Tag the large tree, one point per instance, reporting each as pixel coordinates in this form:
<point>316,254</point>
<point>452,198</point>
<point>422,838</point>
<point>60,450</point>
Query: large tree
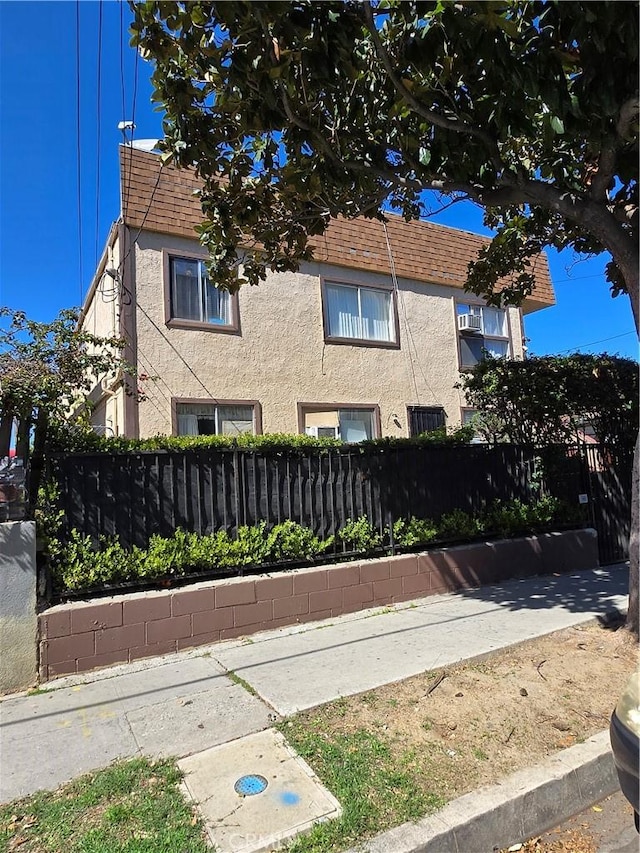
<point>550,399</point>
<point>293,112</point>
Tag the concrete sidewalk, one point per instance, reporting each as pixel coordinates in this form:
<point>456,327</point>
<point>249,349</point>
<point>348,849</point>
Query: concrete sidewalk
<point>192,701</point>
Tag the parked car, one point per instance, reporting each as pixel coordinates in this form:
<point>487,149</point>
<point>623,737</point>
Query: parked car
<point>624,732</point>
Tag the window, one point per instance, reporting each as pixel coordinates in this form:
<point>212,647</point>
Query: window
<point>352,425</point>
<point>193,297</point>
<point>196,418</point>
<point>473,418</point>
<point>468,416</point>
<point>425,419</point>
<point>354,313</point>
<point>485,330</point>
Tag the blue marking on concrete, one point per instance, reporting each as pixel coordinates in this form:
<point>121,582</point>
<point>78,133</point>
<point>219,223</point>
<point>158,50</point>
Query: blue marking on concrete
<point>289,798</point>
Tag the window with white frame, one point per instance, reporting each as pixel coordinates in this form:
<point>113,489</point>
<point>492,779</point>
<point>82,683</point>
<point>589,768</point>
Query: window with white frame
<point>214,419</point>
<point>194,297</point>
<point>350,425</point>
<point>359,313</point>
<point>481,329</point>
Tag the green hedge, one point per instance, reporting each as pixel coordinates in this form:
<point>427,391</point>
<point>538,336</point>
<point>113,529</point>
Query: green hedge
<point>76,439</point>
<point>77,565</point>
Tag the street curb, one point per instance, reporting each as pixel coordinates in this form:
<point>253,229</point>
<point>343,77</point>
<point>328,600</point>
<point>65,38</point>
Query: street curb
<point>522,805</point>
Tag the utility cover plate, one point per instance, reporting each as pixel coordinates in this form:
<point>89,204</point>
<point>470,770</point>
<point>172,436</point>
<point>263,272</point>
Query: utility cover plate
<point>255,793</point>
<point>250,785</point>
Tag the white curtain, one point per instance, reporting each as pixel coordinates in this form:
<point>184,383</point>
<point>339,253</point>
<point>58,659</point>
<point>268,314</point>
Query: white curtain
<point>359,312</point>
<point>494,322</point>
<point>496,348</point>
<point>342,311</point>
<point>185,290</point>
<point>376,319</point>
<point>195,418</point>
<point>187,424</point>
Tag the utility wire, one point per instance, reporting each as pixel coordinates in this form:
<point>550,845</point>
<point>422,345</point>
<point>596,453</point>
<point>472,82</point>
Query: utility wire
<point>593,343</point>
<point>144,218</point>
<point>177,351</point>
<point>579,277</point>
<point>125,200</point>
<point>122,86</point>
<point>78,153</point>
<point>400,299</point>
<point>99,129</point>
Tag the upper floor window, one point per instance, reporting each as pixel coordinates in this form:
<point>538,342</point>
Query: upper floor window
<point>194,297</point>
<point>481,329</point>
<point>364,314</point>
<point>202,418</point>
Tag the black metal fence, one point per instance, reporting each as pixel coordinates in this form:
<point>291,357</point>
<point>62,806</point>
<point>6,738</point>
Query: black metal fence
<point>135,495</point>
<point>609,485</point>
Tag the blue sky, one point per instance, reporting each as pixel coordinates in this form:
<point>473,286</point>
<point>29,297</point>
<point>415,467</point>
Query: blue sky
<point>41,267</point>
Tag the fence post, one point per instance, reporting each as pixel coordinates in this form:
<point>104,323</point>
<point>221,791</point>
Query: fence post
<point>392,541</point>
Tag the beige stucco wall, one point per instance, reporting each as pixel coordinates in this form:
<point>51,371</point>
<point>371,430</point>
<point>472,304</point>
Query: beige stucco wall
<point>101,317</point>
<point>281,359</point>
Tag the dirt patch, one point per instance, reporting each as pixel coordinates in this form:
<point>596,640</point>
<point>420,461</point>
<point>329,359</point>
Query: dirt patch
<point>471,725</point>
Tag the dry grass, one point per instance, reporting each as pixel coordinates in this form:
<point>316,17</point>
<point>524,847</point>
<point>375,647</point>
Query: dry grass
<point>483,721</point>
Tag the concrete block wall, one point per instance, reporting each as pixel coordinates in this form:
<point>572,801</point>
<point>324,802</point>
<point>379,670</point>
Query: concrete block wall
<point>81,636</point>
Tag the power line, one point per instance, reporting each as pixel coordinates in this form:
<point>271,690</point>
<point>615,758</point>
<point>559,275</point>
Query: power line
<point>78,150</point>
<point>177,351</point>
<point>98,132</point>
<point>400,303</point>
<point>593,343</point>
<point>144,218</point>
<point>400,299</point>
<point>125,199</point>
<point>122,87</point>
<point>579,277</point>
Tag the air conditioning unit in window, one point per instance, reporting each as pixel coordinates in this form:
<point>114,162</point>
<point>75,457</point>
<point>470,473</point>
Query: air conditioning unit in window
<point>469,322</point>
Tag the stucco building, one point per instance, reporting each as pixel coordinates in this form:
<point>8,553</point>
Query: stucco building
<point>367,340</point>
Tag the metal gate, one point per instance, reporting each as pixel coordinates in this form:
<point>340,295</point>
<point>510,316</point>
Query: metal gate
<point>608,473</point>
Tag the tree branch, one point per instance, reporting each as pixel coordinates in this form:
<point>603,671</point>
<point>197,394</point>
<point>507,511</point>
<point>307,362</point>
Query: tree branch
<point>606,171</point>
<point>628,111</point>
<point>610,147</point>
<point>350,165</point>
<point>438,120</point>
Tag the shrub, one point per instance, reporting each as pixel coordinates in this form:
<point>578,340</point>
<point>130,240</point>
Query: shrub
<point>414,531</point>
<point>506,518</point>
<point>79,439</point>
<point>359,535</point>
<point>291,541</point>
<point>78,565</point>
<point>459,525</point>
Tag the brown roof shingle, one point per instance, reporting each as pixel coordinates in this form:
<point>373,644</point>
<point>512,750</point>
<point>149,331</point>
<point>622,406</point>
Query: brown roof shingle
<point>163,200</point>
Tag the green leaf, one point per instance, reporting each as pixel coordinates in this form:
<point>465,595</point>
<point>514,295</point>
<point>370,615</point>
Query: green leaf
<point>424,156</point>
<point>557,124</point>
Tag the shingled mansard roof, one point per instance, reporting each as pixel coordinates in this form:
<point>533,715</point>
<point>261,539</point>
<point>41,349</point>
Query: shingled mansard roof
<point>162,200</point>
